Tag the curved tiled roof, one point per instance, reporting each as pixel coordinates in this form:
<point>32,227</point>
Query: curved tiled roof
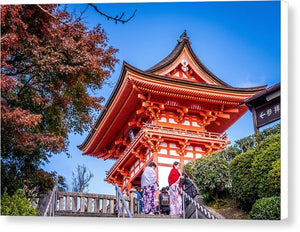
<point>151,76</point>
<point>183,41</point>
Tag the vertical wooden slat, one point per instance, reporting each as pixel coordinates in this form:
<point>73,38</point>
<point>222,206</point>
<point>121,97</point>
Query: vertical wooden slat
<point>127,203</point>
<point>86,202</point>
<point>61,203</point>
<point>89,208</point>
<point>82,204</point>
<point>111,206</point>
<point>96,203</point>
<point>74,204</point>
<point>68,200</point>
<point>104,206</point>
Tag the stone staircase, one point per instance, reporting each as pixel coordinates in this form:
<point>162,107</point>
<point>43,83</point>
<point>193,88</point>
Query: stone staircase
<point>192,211</point>
<point>74,204</point>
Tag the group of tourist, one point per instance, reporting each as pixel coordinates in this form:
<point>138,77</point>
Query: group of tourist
<point>170,199</point>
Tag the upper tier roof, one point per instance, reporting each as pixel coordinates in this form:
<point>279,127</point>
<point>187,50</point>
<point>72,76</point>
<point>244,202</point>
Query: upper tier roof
<point>158,80</point>
<point>182,44</point>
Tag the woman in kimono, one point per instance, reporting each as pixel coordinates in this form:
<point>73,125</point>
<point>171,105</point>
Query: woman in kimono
<point>175,196</point>
<point>149,186</point>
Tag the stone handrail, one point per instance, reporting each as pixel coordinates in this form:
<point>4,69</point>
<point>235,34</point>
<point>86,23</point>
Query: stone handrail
<point>87,203</point>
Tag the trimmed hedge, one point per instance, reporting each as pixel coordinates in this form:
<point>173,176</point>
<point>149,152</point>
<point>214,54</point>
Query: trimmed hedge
<point>267,152</point>
<point>274,179</point>
<point>211,175</point>
<point>17,205</point>
<point>256,173</point>
<point>243,188</point>
<point>266,209</point>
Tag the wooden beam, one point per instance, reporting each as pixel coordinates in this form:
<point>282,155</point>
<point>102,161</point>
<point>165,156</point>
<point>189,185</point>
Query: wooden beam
<point>140,111</point>
<point>222,115</point>
<point>141,96</point>
<point>145,104</point>
<point>231,110</point>
<point>218,123</point>
<point>101,155</point>
<point>107,156</point>
<point>132,123</point>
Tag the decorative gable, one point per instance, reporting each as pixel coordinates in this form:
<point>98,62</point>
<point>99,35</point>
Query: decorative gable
<point>186,70</point>
<point>182,63</point>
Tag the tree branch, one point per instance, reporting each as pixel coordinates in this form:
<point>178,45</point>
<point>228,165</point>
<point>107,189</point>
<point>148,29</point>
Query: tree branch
<point>68,25</point>
<point>117,18</point>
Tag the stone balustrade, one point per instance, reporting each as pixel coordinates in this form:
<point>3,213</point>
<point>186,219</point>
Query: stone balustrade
<point>89,203</point>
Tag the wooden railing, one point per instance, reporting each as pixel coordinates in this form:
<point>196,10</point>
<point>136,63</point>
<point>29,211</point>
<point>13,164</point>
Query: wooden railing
<point>72,203</point>
<point>169,131</point>
<point>50,209</point>
<point>185,132</point>
<point>122,206</point>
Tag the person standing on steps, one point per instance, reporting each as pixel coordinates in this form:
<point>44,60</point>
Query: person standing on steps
<point>164,201</point>
<point>149,186</point>
<point>139,199</point>
<point>189,188</point>
<point>175,196</point>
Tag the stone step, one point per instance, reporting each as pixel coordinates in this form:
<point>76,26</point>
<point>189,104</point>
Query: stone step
<point>86,214</point>
<point>161,216</point>
<point>64,213</point>
<point>190,211</point>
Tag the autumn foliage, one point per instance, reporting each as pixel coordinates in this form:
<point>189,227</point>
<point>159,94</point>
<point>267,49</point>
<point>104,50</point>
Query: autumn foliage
<point>50,62</point>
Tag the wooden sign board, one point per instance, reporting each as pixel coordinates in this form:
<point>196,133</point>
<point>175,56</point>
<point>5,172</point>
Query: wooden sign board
<point>268,113</point>
<point>265,106</point>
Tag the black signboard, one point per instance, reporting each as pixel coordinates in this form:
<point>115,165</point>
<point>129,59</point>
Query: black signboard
<point>265,106</point>
<point>268,113</point>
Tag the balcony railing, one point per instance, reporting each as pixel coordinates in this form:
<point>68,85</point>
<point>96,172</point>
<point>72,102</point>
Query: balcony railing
<point>185,132</point>
<point>169,131</point>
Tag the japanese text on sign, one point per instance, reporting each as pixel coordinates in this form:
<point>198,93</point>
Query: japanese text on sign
<point>268,113</point>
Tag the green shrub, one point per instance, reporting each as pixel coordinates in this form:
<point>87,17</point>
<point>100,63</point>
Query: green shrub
<point>17,205</point>
<point>273,179</point>
<point>256,172</point>
<point>266,209</point>
<point>243,188</point>
<point>189,169</point>
<point>229,153</point>
<point>267,152</point>
<point>211,175</point>
<point>206,198</point>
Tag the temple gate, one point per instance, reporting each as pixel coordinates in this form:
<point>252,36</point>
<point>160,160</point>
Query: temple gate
<point>176,110</point>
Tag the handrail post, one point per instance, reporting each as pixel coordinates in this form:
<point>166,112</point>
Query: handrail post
<point>183,203</point>
<point>51,199</point>
<point>124,205</point>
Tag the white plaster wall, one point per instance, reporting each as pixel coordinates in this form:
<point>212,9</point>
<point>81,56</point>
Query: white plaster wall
<point>163,173</point>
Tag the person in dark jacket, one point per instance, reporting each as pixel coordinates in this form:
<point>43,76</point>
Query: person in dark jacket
<point>189,187</point>
<point>164,201</point>
<point>139,199</point>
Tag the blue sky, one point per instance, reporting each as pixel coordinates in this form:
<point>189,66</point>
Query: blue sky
<point>238,41</point>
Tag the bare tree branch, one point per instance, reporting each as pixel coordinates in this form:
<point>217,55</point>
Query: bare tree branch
<point>68,25</point>
<point>117,18</point>
<point>81,178</point>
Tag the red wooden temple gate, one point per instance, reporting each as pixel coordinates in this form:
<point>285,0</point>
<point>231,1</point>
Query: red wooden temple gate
<point>175,111</point>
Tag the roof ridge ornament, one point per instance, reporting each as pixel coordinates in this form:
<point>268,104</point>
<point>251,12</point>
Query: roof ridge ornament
<point>184,37</point>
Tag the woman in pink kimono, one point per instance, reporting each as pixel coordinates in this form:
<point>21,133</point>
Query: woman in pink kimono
<point>175,196</point>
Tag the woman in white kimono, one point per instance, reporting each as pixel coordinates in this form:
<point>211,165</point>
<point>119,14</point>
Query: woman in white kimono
<point>149,186</point>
